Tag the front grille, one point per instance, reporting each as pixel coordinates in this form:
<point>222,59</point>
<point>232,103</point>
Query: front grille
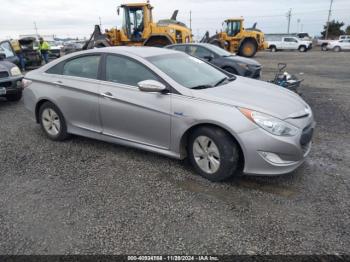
<point>257,73</point>
<point>4,74</point>
<point>6,84</point>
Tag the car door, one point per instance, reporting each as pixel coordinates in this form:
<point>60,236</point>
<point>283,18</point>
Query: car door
<point>77,91</point>
<point>128,113</point>
<point>346,44</point>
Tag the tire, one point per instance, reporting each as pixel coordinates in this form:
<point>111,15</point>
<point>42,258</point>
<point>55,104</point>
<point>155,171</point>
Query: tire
<point>337,49</point>
<point>302,48</point>
<point>324,48</point>
<point>230,70</point>
<point>273,49</point>
<point>54,122</point>
<point>248,48</point>
<point>213,153</point>
<point>15,97</point>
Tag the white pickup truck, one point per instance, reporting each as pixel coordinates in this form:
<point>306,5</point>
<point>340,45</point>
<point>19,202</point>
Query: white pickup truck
<point>289,43</point>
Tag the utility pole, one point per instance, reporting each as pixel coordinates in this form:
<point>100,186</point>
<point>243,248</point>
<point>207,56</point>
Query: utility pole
<point>298,21</point>
<point>289,16</point>
<point>329,17</point>
<point>36,28</point>
<point>99,18</point>
<point>191,20</point>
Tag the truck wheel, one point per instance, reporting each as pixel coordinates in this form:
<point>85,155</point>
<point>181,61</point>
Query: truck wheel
<point>273,49</point>
<point>337,49</point>
<point>302,48</point>
<point>324,47</point>
<point>158,42</point>
<point>213,153</point>
<point>248,49</point>
<point>14,97</point>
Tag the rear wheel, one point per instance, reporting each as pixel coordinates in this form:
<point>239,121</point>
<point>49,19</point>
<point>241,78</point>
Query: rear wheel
<point>248,49</point>
<point>52,122</point>
<point>324,47</point>
<point>337,49</point>
<point>273,49</point>
<point>14,97</point>
<point>213,153</point>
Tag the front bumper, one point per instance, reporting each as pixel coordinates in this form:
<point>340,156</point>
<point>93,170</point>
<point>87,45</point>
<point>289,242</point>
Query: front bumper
<point>292,151</point>
<point>12,85</point>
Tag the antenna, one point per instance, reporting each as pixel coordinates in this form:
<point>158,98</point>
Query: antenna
<point>36,28</point>
<point>289,16</point>
<point>190,20</point>
<point>329,17</point>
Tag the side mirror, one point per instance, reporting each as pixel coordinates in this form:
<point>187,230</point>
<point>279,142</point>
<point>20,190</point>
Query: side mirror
<point>2,56</point>
<point>151,86</point>
<point>209,57</point>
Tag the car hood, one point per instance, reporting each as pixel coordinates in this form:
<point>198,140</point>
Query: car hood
<point>239,59</point>
<point>6,66</point>
<point>256,95</point>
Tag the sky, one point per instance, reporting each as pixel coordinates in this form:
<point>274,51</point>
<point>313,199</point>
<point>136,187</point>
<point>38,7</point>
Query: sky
<point>76,18</point>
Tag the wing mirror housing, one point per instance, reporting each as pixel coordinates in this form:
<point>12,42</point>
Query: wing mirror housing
<point>2,56</point>
<point>209,57</point>
<point>152,86</point>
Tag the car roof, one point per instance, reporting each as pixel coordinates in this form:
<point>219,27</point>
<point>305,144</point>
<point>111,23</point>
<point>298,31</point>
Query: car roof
<point>140,51</point>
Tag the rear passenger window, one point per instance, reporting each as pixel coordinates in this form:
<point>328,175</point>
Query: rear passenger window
<point>126,71</point>
<point>86,67</point>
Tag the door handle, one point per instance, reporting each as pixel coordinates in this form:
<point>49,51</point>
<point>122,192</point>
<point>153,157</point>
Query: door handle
<point>107,95</point>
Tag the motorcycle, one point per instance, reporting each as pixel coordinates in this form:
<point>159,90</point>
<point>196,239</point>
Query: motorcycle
<point>286,80</point>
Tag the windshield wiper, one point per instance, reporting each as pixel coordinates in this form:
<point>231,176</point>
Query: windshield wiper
<point>202,87</point>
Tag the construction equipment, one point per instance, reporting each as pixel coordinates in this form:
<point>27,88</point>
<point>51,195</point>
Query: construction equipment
<point>139,29</point>
<point>236,39</point>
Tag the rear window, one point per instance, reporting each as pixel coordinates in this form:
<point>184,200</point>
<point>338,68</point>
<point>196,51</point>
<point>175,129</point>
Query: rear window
<point>85,67</point>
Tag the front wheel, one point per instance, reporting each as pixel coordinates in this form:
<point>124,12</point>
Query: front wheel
<point>248,49</point>
<point>302,49</point>
<point>213,153</point>
<point>52,122</point>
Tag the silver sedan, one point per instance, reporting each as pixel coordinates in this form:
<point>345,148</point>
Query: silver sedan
<point>171,103</point>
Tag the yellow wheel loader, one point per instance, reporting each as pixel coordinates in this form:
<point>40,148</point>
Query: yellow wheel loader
<point>138,29</point>
<point>236,39</point>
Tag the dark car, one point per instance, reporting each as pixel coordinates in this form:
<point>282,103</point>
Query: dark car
<point>10,79</point>
<point>10,54</point>
<point>221,58</point>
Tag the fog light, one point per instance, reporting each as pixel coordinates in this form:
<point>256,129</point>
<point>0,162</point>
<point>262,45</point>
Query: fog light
<point>274,158</point>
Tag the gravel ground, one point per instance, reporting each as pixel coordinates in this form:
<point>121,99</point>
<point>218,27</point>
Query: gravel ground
<point>85,197</point>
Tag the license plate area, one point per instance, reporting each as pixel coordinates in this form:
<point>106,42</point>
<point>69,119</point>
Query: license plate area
<point>2,90</point>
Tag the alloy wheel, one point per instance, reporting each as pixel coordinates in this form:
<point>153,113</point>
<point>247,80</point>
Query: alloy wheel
<point>206,154</point>
<point>51,122</point>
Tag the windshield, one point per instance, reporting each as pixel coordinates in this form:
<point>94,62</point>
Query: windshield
<point>188,71</point>
<point>219,51</point>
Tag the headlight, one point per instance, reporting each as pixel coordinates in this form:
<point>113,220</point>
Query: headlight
<point>271,124</point>
<point>15,71</point>
<point>244,66</point>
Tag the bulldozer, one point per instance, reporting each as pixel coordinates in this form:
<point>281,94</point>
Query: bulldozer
<point>138,29</point>
<point>236,39</point>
